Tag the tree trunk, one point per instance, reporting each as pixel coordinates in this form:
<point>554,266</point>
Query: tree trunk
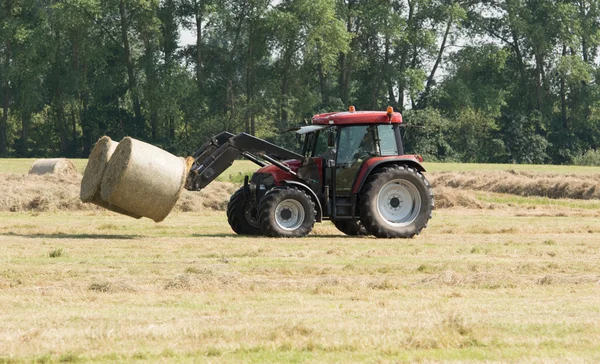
<point>346,60</point>
<point>86,128</point>
<point>424,98</point>
<point>199,16</point>
<point>137,109</point>
<point>342,76</point>
<point>250,82</point>
<point>4,120</point>
<point>538,80</point>
<point>404,56</point>
<point>388,74</point>
<point>25,123</point>
<point>322,85</point>
<point>153,82</point>
<point>231,89</point>
<point>5,103</point>
<point>73,143</point>
<point>60,122</point>
<point>287,63</point>
<point>563,96</point>
<point>517,49</point>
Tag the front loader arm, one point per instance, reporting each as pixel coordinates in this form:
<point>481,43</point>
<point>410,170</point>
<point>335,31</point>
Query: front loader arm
<point>214,157</point>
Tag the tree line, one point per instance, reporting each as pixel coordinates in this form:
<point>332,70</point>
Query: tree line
<point>511,81</point>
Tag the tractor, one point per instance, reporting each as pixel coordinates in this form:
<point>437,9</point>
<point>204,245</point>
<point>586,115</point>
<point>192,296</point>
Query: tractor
<point>352,171</point>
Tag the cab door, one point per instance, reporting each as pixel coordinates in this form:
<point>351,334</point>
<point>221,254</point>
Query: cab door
<point>356,143</point>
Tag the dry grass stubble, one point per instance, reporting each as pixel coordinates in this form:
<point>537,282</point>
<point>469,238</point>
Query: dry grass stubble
<point>475,285</point>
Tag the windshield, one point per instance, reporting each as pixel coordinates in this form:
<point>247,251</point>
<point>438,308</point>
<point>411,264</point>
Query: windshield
<point>356,143</point>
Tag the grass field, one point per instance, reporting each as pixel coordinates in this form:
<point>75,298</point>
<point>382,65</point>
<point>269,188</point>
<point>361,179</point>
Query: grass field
<point>514,283</point>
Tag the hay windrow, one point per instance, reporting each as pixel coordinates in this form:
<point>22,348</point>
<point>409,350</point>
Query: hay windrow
<point>214,197</point>
<point>41,193</point>
<point>52,192</point>
<point>446,198</point>
<point>143,179</point>
<point>53,166</point>
<point>582,187</point>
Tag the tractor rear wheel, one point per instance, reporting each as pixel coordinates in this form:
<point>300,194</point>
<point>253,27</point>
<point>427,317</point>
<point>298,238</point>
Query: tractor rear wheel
<point>350,227</point>
<point>241,214</point>
<point>286,212</point>
<point>396,202</point>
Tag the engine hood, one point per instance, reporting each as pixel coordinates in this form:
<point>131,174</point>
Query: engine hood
<point>294,165</point>
<point>278,174</point>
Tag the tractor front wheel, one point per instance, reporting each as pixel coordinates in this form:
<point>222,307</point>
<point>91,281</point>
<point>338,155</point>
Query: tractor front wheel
<point>286,212</point>
<point>241,215</point>
<point>350,227</point>
<point>396,202</point>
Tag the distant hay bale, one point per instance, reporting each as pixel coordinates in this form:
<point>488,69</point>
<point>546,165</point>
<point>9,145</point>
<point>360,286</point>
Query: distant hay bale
<point>143,179</point>
<point>53,166</point>
<point>94,171</point>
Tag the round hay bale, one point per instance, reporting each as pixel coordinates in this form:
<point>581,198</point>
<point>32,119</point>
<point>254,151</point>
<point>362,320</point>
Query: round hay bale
<point>94,171</point>
<point>143,179</point>
<point>53,166</point>
<point>97,161</point>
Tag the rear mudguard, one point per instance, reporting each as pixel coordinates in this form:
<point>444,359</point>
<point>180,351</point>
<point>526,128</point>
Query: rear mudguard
<point>376,162</point>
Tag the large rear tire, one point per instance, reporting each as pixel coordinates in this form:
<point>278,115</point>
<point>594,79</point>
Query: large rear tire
<point>241,215</point>
<point>286,212</point>
<point>396,202</point>
<point>350,227</point>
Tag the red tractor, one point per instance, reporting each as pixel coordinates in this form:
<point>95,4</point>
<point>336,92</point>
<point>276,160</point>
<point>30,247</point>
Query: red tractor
<point>352,171</point>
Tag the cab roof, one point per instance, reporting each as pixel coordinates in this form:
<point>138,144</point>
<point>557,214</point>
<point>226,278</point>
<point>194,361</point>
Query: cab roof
<point>357,117</point>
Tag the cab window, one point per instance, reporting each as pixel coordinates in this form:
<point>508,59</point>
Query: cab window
<point>356,143</point>
<point>320,143</point>
<point>387,140</point>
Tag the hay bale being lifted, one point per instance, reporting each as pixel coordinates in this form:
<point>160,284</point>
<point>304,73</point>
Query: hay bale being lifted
<point>94,171</point>
<point>143,179</point>
<point>53,166</point>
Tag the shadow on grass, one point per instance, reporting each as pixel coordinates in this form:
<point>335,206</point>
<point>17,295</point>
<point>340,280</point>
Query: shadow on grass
<point>74,236</point>
<point>220,235</point>
<point>223,235</point>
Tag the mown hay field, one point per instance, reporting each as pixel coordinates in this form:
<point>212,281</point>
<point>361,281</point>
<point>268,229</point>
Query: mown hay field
<point>495,277</point>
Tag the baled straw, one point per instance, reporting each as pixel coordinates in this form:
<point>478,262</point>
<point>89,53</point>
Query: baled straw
<point>97,161</point>
<point>53,166</point>
<point>143,179</point>
<point>92,177</point>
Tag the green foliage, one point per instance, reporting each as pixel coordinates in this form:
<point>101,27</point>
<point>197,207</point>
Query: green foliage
<point>427,133</point>
<point>513,81</point>
<point>589,158</point>
<point>474,134</point>
<point>524,143</point>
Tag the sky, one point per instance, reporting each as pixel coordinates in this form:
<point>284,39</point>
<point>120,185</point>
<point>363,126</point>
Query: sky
<point>186,37</point>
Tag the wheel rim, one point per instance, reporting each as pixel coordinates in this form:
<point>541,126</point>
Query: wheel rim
<point>289,214</point>
<point>250,214</point>
<point>399,202</point>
